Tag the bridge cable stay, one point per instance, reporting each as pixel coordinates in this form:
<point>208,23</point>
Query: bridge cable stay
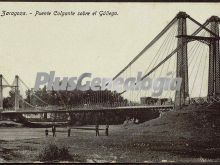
<point>169,93</point>
<point>193,34</point>
<point>202,82</point>
<point>131,92</point>
<point>190,58</point>
<point>203,72</point>
<point>159,53</point>
<point>82,99</point>
<point>198,30</point>
<point>148,46</point>
<point>8,84</point>
<point>164,52</point>
<point>197,55</point>
<point>206,53</point>
<point>37,96</point>
<point>3,78</point>
<point>21,91</point>
<point>207,34</point>
<point>91,98</point>
<point>4,84</point>
<point>88,100</point>
<point>94,99</point>
<point>22,99</point>
<point>198,68</point>
<point>12,88</point>
<point>164,49</point>
<point>164,60</point>
<point>59,95</point>
<point>168,42</point>
<point>35,107</point>
<point>172,53</point>
<point>201,26</point>
<point>158,65</point>
<point>127,74</point>
<point>206,26</point>
<point>192,50</point>
<point>153,61</point>
<point>32,91</point>
<point>169,49</point>
<point>202,52</point>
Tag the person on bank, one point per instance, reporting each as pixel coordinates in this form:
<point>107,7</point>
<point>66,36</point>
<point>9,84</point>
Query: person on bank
<point>54,131</point>
<point>46,132</point>
<point>69,131</point>
<point>97,129</point>
<point>106,130</point>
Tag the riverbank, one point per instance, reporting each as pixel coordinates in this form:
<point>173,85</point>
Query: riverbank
<point>189,135</point>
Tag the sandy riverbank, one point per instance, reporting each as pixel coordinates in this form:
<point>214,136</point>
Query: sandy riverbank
<point>191,135</point>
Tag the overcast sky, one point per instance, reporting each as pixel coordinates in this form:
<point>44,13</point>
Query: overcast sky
<point>73,45</point>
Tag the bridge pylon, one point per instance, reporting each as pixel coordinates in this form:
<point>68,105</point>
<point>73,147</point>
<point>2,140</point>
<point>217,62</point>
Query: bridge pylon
<point>214,60</point>
<point>16,92</point>
<point>1,92</point>
<point>182,62</point>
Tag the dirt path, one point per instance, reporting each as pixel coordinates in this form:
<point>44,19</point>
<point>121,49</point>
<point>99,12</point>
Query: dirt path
<point>25,144</point>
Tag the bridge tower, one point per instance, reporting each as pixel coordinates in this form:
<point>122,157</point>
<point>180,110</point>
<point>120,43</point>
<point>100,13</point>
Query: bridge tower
<point>16,92</point>
<point>182,64</point>
<point>1,93</point>
<point>214,60</point>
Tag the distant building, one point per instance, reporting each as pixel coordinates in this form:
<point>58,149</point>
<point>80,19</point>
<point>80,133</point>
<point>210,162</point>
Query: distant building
<point>148,100</point>
<point>198,99</point>
<point>155,101</point>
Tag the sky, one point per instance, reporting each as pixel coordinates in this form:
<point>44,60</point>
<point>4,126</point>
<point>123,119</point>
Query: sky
<point>72,45</point>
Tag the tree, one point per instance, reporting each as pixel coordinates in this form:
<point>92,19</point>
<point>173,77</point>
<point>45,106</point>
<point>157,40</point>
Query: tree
<point>73,98</point>
<point>9,102</point>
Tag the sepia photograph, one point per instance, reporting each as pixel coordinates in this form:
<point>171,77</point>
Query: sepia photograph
<point>113,82</point>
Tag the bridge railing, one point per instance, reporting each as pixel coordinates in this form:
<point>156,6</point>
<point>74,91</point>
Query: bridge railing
<point>83,107</point>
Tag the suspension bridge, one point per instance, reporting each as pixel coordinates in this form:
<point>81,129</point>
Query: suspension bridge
<point>185,47</point>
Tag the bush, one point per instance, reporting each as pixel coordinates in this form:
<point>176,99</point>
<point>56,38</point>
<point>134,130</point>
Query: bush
<point>52,153</point>
<point>64,153</point>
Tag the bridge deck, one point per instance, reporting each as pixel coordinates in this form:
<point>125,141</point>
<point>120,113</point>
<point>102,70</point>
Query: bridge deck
<point>99,109</point>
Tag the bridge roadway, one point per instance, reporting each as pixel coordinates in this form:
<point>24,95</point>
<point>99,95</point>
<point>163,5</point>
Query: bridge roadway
<point>86,109</point>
